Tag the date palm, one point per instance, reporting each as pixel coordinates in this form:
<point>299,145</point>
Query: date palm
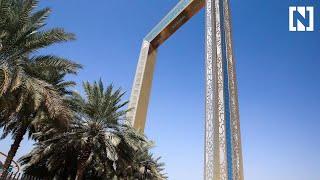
<point>97,145</point>
<point>103,135</point>
<point>25,92</point>
<point>144,166</point>
<point>91,138</point>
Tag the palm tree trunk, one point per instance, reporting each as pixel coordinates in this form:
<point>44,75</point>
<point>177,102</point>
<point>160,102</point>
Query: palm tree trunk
<point>82,163</point>
<point>80,172</point>
<point>13,150</point>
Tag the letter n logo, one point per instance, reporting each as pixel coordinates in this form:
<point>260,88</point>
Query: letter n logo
<point>301,18</point>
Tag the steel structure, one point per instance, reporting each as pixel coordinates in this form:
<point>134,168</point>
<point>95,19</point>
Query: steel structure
<point>223,156</point>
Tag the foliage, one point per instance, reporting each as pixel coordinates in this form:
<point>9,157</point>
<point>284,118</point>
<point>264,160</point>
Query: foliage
<point>98,143</point>
<point>144,166</point>
<point>23,74</point>
<point>32,86</point>
<point>75,137</point>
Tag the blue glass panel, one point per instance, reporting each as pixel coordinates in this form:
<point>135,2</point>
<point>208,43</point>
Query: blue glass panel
<point>226,94</point>
<point>167,19</point>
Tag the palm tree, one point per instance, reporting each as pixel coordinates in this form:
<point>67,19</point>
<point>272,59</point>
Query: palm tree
<point>25,92</point>
<point>144,167</point>
<point>99,126</point>
<point>41,119</point>
<point>97,145</point>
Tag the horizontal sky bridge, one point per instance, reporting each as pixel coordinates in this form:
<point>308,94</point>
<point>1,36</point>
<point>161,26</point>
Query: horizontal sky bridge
<point>177,17</point>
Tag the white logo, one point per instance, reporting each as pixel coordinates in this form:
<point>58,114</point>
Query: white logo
<point>301,18</point>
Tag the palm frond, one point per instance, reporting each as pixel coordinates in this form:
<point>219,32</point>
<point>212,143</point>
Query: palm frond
<point>38,18</point>
<point>40,40</point>
<point>26,10</point>
<point>54,62</point>
<point>5,79</point>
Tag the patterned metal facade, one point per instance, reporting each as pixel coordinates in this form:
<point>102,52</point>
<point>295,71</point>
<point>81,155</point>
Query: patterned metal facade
<point>223,154</point>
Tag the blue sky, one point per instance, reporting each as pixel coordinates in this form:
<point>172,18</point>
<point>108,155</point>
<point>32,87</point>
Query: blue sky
<point>278,77</point>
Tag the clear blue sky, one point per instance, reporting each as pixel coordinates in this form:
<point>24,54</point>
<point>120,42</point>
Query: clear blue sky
<point>278,76</point>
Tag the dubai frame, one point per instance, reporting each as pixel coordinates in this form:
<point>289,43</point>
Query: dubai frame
<point>223,154</point>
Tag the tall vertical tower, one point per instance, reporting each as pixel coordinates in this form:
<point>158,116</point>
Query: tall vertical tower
<point>223,154</point>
